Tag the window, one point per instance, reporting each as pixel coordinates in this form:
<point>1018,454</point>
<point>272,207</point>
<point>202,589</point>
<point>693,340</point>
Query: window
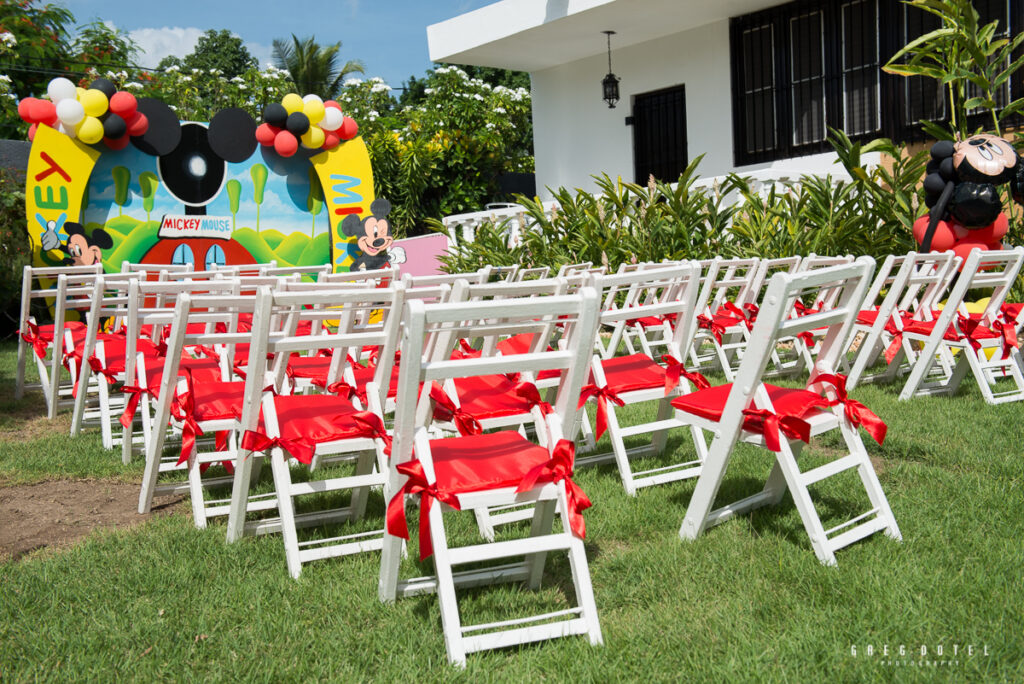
<point>183,255</point>
<point>659,135</point>
<point>800,68</point>
<point>215,257</point>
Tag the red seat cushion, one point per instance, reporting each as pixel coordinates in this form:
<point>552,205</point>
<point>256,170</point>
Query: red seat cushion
<point>631,373</point>
<point>490,396</point>
<point>115,348</point>
<point>646,321</point>
<point>480,462</point>
<point>315,418</point>
<point>951,334</point>
<point>308,366</point>
<point>203,371</point>
<point>218,400</point>
<point>709,403</point>
<point>364,374</point>
<point>77,328</point>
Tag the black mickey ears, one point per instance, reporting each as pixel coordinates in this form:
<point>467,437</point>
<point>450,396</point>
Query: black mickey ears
<point>233,135</point>
<point>164,132</point>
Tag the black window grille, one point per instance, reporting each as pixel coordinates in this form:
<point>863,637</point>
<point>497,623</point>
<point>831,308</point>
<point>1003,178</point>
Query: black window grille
<point>800,68</point>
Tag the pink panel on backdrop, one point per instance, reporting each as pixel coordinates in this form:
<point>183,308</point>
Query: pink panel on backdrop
<point>422,254</point>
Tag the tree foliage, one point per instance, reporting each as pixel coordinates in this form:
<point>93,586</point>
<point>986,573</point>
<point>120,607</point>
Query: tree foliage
<point>220,50</point>
<point>98,45</point>
<point>314,68</point>
<point>41,36</point>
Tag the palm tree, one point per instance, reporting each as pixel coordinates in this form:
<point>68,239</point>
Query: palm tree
<point>314,68</point>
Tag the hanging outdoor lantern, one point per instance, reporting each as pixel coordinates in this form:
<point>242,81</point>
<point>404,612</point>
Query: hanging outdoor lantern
<point>610,83</point>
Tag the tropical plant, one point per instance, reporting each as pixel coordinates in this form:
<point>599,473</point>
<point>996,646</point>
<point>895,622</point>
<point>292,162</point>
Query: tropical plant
<point>314,68</point>
<point>967,59</point>
<point>15,249</point>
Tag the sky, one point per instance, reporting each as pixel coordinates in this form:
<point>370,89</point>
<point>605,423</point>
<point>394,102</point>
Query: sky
<point>388,36</point>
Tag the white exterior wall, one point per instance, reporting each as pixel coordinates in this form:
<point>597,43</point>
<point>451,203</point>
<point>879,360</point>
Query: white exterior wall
<point>576,135</point>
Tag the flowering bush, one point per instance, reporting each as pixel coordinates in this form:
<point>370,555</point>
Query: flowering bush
<point>442,155</point>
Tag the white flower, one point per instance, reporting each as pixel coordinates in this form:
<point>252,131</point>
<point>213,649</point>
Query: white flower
<point>350,82</point>
<point>173,108</point>
<point>478,96</point>
<point>186,79</point>
<point>133,84</point>
<point>11,96</point>
<point>197,71</point>
<point>173,68</point>
<point>242,86</point>
<point>379,87</point>
<point>489,125</point>
<point>8,39</point>
<point>375,79</point>
<point>5,78</point>
<point>373,114</point>
<point>499,110</point>
<point>428,91</point>
<point>237,79</point>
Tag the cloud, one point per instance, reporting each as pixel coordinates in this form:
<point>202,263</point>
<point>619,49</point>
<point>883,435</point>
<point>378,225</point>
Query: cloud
<point>157,43</point>
<point>261,52</point>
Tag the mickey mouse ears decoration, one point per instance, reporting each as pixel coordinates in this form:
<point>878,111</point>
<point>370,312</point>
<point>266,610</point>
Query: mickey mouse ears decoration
<point>307,120</point>
<point>101,112</point>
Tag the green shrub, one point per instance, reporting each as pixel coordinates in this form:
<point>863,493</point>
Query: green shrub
<point>15,250</point>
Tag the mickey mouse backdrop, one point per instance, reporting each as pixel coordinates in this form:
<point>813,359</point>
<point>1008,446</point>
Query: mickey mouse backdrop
<point>113,177</point>
<point>965,210</point>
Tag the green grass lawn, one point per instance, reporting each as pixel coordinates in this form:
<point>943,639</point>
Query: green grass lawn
<point>747,601</point>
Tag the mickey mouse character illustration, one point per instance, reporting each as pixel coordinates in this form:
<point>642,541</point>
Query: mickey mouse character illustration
<point>81,249</point>
<point>374,233</point>
<point>960,190</point>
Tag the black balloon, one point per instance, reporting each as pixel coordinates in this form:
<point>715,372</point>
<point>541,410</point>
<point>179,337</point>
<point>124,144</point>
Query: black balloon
<point>275,114</point>
<point>297,124</point>
<point>942,149</point>
<point>934,183</point>
<point>114,127</point>
<point>104,86</point>
<point>947,170</point>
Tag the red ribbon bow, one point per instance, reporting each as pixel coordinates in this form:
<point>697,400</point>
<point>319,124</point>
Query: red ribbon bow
<point>373,426</point>
<point>132,405</point>
<point>529,392</point>
<point>1009,334</point>
<point>183,409</point>
<point>557,469</point>
<point>773,426</point>
<point>749,316</point>
<point>674,370</point>
<point>254,440</point>
<point>857,413</point>
<point>709,323</point>
<point>35,339</point>
<point>603,394</point>
<point>445,410</point>
<point>416,483</point>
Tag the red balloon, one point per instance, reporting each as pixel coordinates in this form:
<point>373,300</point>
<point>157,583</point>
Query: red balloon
<point>32,131</point>
<point>348,129</point>
<point>117,143</point>
<point>265,133</point>
<point>123,104</point>
<point>138,124</point>
<point>43,110</point>
<point>332,104</point>
<point>25,109</point>
<point>286,144</point>
<point>944,237</point>
<point>331,140</point>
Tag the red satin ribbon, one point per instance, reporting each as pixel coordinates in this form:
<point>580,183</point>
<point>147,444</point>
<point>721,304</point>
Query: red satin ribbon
<point>894,347</point>
<point>132,405</point>
<point>99,368</point>
<point>708,323</point>
<point>749,316</point>
<point>557,469</point>
<point>416,483</point>
<point>674,370</point>
<point>603,394</point>
<point>35,339</point>
<point>1009,334</point>
<point>254,440</point>
<point>373,426</point>
<point>183,409</point>
<point>857,413</point>
<point>807,337</point>
<point>773,426</point>
<point>529,392</point>
<point>445,410</point>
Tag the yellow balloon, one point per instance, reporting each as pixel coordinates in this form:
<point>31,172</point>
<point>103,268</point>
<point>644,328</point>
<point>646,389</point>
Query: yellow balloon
<point>94,102</point>
<point>292,103</point>
<point>314,109</point>
<point>313,138</point>
<point>79,92</point>
<point>90,131</point>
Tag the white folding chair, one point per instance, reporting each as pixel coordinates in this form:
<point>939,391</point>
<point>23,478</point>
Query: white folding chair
<point>494,469</point>
<point>637,379</point>
<point>315,429</point>
<point>985,345</point>
<point>782,419</point>
<point>726,313</point>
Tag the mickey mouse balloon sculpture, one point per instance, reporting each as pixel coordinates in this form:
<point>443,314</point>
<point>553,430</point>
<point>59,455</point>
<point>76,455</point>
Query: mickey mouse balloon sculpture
<point>965,211</point>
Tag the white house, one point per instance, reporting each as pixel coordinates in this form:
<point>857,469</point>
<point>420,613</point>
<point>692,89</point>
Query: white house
<point>750,84</point>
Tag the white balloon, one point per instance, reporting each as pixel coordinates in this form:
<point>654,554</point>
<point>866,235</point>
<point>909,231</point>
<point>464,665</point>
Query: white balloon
<point>332,119</point>
<point>313,98</point>
<point>61,89</point>
<point>66,130</point>
<point>70,111</point>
